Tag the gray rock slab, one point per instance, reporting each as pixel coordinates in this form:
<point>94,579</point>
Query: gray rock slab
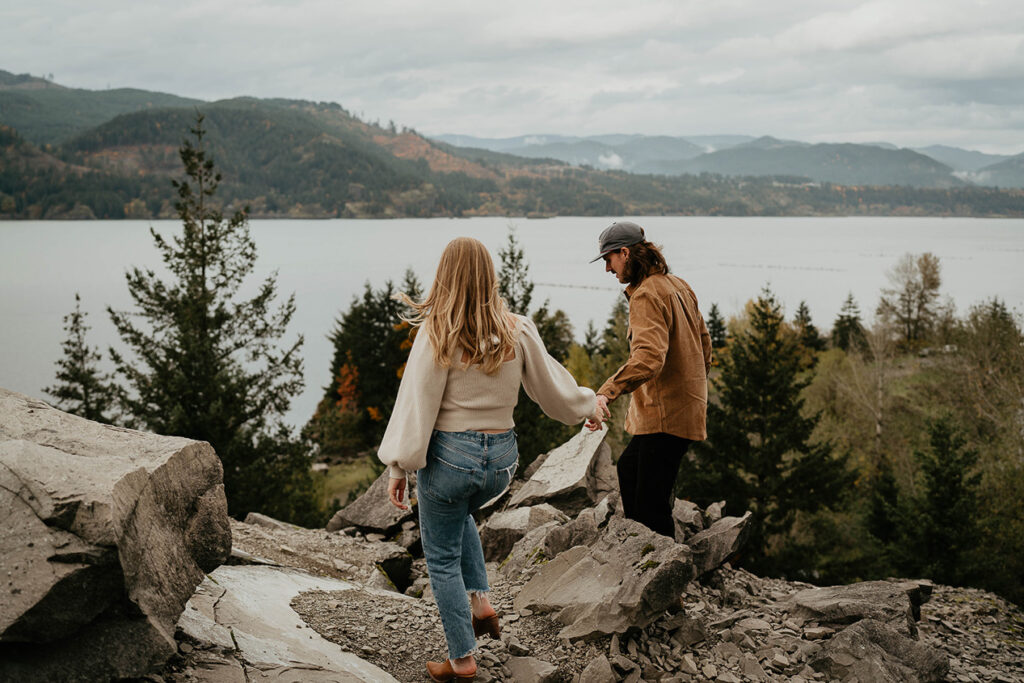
<point>599,670</point>
<point>870,650</point>
<point>531,670</point>
<point>268,522</point>
<point>502,529</point>
<point>625,580</point>
<point>372,511</point>
<point>248,609</point>
<point>892,603</point>
<point>574,476</point>
<point>107,532</point>
<point>688,519</point>
<point>720,541</point>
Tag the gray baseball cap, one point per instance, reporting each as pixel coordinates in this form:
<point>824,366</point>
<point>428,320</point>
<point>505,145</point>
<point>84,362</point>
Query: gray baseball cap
<point>618,235</point>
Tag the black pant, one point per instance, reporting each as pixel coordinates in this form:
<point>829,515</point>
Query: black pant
<point>647,474</point>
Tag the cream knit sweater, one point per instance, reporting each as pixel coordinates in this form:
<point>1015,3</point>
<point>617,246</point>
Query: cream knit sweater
<point>462,397</point>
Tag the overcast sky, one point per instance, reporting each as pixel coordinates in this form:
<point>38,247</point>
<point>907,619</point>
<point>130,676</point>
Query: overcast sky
<point>910,72</point>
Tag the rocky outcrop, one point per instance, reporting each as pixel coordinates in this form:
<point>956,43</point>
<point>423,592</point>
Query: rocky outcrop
<point>373,512</point>
<point>625,580</point>
<point>575,475</point>
<point>106,534</point>
<point>589,596</point>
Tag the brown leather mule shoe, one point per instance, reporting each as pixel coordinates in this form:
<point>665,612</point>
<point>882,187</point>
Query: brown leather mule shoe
<point>488,625</point>
<point>443,672</point>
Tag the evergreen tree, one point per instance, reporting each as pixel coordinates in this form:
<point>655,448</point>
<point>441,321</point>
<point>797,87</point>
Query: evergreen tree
<point>716,328</point>
<point>848,330</point>
<point>514,283</point>
<point>371,345</point>
<point>206,363</point>
<point>807,334</point>
<point>947,506</point>
<point>759,455</point>
<point>81,388</point>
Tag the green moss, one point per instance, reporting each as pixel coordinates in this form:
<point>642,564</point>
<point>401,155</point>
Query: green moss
<point>649,548</point>
<point>649,564</point>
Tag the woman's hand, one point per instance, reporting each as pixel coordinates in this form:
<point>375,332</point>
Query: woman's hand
<point>396,493</point>
<point>601,414</point>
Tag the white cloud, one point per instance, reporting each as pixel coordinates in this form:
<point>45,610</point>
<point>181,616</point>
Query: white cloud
<point>610,160</point>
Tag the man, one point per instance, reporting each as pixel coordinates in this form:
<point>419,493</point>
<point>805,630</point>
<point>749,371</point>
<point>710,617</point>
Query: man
<point>667,368</point>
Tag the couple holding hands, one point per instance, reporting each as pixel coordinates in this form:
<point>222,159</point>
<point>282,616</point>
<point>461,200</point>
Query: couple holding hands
<point>452,421</point>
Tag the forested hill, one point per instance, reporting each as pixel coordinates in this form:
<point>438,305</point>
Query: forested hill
<point>288,158</point>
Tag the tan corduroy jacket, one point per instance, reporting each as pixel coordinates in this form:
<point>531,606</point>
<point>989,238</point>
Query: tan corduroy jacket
<point>669,360</point>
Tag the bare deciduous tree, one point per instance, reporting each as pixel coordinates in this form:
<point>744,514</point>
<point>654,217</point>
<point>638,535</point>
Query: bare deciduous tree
<point>911,302</point>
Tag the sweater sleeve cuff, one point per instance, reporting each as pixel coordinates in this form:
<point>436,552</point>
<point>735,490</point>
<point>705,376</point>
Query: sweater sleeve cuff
<point>396,472</point>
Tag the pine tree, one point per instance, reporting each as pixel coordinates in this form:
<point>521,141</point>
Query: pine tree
<point>807,333</point>
<point>759,455</point>
<point>948,505</point>
<point>848,330</point>
<point>716,328</point>
<point>205,364</point>
<point>81,388</point>
<point>371,345</point>
<point>514,283</point>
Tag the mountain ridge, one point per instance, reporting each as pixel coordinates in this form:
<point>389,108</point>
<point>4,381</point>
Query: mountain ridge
<point>299,158</point>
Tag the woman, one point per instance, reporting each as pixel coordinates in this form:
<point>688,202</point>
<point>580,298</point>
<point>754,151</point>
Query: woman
<point>452,424</point>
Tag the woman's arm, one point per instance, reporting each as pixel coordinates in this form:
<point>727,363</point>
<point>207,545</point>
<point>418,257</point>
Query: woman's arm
<point>549,384</point>
<point>404,447</point>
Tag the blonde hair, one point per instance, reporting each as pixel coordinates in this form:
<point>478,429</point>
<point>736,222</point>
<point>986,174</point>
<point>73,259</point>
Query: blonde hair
<point>463,308</point>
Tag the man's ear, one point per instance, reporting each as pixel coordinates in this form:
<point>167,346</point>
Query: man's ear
<point>625,253</point>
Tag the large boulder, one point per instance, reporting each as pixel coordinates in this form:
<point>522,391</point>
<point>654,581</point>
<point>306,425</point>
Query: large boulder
<point>246,614</point>
<point>720,541</point>
<point>626,579</point>
<point>500,532</point>
<point>373,512</point>
<point>575,475</point>
<point>106,534</point>
<point>894,603</point>
<point>872,651</point>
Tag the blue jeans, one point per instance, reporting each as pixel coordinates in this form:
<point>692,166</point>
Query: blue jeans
<point>464,470</point>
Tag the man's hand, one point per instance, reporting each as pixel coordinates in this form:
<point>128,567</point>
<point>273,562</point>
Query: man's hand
<point>396,493</point>
<point>601,414</point>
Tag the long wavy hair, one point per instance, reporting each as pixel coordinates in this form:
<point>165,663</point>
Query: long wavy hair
<point>464,310</point>
<point>645,259</point>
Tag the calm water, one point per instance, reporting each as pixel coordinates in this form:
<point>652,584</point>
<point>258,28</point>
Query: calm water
<point>326,263</point>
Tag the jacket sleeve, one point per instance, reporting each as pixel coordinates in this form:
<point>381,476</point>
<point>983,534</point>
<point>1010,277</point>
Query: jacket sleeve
<point>549,384</point>
<point>705,342</point>
<point>404,447</point>
<point>649,322</point>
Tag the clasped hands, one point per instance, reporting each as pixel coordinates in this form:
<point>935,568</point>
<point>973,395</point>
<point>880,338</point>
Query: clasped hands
<point>601,414</point>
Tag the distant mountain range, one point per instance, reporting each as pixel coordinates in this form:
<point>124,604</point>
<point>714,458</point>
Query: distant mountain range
<point>73,153</point>
<point>876,163</point>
